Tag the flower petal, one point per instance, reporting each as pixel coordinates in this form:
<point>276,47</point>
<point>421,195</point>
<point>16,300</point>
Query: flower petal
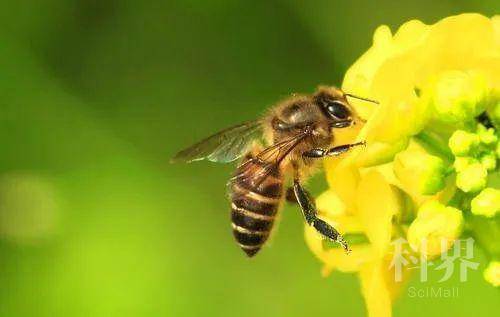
<point>374,290</point>
<point>336,258</point>
<point>376,204</point>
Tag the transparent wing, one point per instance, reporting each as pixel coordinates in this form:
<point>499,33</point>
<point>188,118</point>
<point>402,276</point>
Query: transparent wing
<point>223,147</point>
<point>258,168</point>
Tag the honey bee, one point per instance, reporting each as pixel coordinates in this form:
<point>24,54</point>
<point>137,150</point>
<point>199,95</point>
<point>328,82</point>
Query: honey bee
<point>297,131</point>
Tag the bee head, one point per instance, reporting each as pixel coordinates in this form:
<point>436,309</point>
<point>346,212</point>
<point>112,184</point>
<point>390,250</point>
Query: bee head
<point>334,106</point>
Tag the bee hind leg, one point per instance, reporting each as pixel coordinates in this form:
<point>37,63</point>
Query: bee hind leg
<point>310,214</point>
<point>290,195</point>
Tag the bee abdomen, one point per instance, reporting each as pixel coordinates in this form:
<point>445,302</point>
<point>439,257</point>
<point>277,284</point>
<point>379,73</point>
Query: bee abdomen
<point>253,210</point>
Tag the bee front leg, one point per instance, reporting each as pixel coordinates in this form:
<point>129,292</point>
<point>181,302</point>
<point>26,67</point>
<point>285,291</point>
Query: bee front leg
<point>310,214</point>
<point>334,151</point>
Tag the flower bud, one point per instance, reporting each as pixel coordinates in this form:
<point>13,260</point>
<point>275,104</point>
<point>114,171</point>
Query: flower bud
<point>461,163</point>
<point>459,96</point>
<point>462,142</point>
<point>435,228</point>
<point>492,273</point>
<point>486,136</point>
<point>487,203</point>
<point>473,178</point>
<point>418,170</point>
<point>489,161</point>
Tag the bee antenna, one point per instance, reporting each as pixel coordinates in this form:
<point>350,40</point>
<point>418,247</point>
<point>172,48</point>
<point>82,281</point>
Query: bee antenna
<point>361,98</point>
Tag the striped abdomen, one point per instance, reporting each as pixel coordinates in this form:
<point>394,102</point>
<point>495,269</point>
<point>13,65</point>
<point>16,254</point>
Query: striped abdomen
<point>254,206</point>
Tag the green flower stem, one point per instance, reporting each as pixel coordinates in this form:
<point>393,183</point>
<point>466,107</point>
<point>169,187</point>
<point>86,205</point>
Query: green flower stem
<point>435,145</point>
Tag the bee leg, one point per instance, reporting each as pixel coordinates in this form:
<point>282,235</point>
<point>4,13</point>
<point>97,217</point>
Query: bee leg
<point>310,215</point>
<point>290,195</point>
<point>334,151</point>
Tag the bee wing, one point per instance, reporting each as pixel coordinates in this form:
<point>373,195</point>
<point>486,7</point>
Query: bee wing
<point>258,168</point>
<point>224,146</point>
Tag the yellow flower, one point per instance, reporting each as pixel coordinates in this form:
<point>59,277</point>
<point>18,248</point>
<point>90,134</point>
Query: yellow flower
<point>436,227</point>
<point>418,76</point>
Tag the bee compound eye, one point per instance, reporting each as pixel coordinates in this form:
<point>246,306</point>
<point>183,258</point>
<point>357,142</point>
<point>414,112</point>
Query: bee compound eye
<point>337,110</point>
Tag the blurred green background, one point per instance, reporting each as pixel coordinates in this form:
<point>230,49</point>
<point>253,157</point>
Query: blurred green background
<point>96,96</point>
